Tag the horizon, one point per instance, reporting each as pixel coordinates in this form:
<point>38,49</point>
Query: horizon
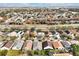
<point>48,5</point>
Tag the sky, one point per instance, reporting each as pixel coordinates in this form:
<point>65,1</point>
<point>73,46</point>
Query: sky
<point>75,5</point>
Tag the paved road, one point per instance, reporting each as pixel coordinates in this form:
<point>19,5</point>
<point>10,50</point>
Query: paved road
<point>38,26</point>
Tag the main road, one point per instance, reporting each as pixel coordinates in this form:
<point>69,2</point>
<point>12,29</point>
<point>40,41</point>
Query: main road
<point>39,26</point>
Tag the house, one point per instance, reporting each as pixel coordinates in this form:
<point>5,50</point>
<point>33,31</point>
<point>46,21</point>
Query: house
<point>27,45</point>
<point>57,35</point>
<point>57,44</point>
<point>66,44</point>
<point>20,19</point>
<point>1,33</point>
<point>37,45</point>
<point>67,31</point>
<point>20,33</point>
<point>10,19</point>
<point>8,45</point>
<point>18,45</point>
<point>2,19</point>
<point>33,33</point>
<point>27,32</point>
<point>12,34</point>
<point>2,43</point>
<point>74,42</point>
<point>40,35</point>
<point>47,45</point>
<point>50,34</point>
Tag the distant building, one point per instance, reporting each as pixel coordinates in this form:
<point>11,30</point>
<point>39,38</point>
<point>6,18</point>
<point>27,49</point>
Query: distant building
<point>12,34</point>
<point>1,33</point>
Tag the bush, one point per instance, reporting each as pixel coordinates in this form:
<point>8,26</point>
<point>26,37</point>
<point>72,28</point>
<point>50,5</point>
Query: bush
<point>75,49</point>
<point>14,52</point>
<point>3,52</point>
<point>44,52</point>
<point>30,53</point>
<point>38,52</point>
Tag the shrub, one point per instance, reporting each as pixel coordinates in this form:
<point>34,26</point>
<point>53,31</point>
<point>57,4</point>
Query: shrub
<point>3,52</point>
<point>75,49</point>
<point>14,52</point>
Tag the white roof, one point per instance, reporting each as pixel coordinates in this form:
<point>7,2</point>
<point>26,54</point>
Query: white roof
<point>40,33</point>
<point>75,42</point>
<point>1,33</point>
<point>12,34</point>
<point>4,48</point>
<point>37,45</point>
<point>1,18</point>
<point>1,44</point>
<point>48,47</point>
<point>18,44</point>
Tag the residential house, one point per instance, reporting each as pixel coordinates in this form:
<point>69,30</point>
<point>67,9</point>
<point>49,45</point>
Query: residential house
<point>57,35</point>
<point>57,44</point>
<point>74,42</point>
<point>2,19</point>
<point>27,45</point>
<point>12,34</point>
<point>66,44</point>
<point>18,45</point>
<point>2,43</point>
<point>40,35</point>
<point>37,45</point>
<point>50,34</point>
<point>1,33</point>
<point>8,45</point>
<point>47,45</point>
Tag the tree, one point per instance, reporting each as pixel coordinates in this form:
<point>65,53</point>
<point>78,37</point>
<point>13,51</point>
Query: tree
<point>26,36</point>
<point>69,38</point>
<point>43,53</point>
<point>36,52</point>
<point>30,53</point>
<point>46,52</point>
<point>75,49</point>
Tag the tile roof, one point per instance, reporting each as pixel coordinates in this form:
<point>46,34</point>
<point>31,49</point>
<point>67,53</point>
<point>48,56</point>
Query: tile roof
<point>28,44</point>
<point>57,44</point>
<point>8,44</point>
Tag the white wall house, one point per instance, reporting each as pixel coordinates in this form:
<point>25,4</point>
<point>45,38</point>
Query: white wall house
<point>18,45</point>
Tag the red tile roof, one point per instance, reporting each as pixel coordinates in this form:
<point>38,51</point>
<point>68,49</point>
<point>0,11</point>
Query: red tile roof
<point>57,44</point>
<point>8,44</point>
